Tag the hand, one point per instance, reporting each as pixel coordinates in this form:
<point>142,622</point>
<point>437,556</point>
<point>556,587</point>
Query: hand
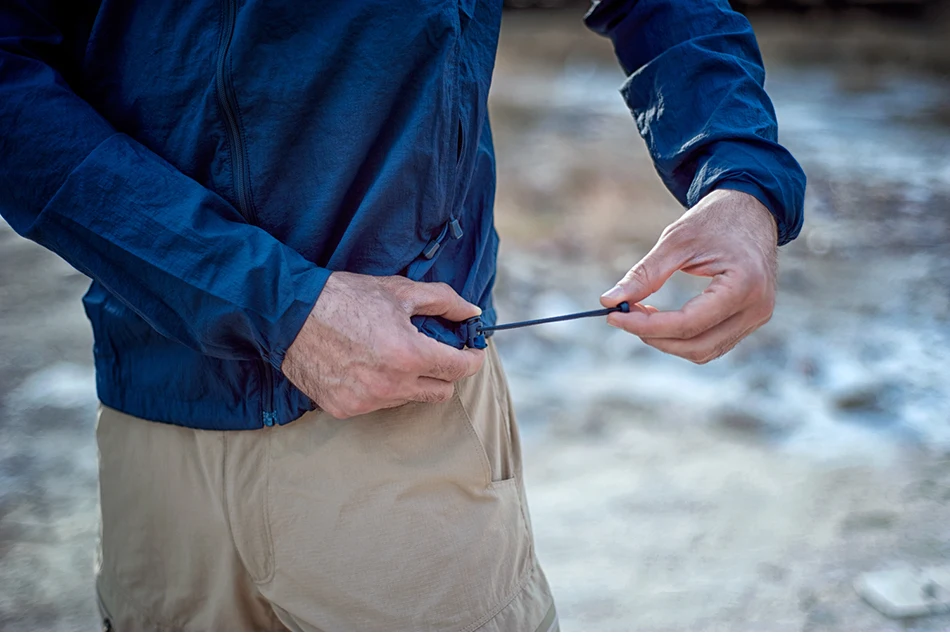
<point>728,236</point>
<point>358,352</point>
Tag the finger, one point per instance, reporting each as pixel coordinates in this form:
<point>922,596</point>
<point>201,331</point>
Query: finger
<point>438,299</point>
<point>433,390</point>
<point>718,302</point>
<point>709,345</point>
<point>446,363</point>
<point>647,276</point>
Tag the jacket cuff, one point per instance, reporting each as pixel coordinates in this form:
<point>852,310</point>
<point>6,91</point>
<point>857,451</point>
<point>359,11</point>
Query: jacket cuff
<point>308,285</point>
<point>770,175</point>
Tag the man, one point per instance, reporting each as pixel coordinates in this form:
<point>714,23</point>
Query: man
<point>286,211</point>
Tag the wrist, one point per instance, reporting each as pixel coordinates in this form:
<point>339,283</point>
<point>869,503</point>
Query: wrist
<point>751,208</point>
<point>759,205</point>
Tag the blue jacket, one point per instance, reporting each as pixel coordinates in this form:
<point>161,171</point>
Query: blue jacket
<point>209,163</point>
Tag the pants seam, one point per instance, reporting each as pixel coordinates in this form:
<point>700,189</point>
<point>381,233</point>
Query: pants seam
<point>135,607</point>
<point>271,556</point>
<point>506,602</point>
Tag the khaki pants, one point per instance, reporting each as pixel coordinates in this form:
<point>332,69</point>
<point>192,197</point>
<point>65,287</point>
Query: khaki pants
<point>411,518</point>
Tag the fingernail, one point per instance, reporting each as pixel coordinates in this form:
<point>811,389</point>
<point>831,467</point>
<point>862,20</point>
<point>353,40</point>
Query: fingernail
<point>614,294</point>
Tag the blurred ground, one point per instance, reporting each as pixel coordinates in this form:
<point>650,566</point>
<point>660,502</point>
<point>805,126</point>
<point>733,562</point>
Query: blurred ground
<point>746,494</point>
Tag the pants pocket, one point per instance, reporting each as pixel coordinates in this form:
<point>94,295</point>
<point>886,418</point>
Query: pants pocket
<point>391,521</point>
<point>485,405</point>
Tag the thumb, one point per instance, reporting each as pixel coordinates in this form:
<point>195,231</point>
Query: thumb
<point>645,278</point>
<point>439,299</point>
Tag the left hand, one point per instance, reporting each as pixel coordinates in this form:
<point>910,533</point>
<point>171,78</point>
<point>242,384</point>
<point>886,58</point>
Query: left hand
<point>728,236</point>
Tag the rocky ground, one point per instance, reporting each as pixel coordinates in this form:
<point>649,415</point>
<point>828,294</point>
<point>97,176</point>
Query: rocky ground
<point>745,494</point>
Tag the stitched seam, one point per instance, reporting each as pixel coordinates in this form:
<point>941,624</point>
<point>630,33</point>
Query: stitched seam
<point>494,612</point>
<point>225,501</point>
<point>473,437</point>
<point>269,538</point>
<point>226,504</point>
<point>516,482</point>
<point>501,398</point>
<point>134,606</point>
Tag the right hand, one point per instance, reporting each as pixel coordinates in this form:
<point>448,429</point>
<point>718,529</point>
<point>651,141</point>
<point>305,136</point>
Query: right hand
<point>358,351</point>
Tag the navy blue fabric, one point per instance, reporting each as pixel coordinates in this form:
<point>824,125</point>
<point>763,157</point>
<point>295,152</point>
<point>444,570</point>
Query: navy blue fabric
<point>209,164</point>
<point>695,88</point>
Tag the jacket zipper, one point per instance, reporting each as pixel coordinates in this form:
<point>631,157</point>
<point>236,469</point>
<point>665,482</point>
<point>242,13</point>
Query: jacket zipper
<point>228,105</point>
<point>268,415</point>
<point>239,167</point>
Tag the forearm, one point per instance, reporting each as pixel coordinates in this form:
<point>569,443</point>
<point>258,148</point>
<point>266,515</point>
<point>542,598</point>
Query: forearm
<point>695,87</point>
<point>172,250</point>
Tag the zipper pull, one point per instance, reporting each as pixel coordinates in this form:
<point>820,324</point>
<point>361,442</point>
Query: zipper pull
<point>456,228</point>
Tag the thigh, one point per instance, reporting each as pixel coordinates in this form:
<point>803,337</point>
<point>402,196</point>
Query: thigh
<point>166,558</point>
<point>406,519</point>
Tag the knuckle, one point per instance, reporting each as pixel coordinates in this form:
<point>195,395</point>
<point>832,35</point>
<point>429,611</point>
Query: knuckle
<point>360,406</point>
<point>405,291</point>
<point>458,372</point>
<point>356,401</point>
<point>443,395</point>
<point>337,411</point>
<point>442,289</point>
<point>453,374</point>
<point>437,369</point>
<point>686,331</point>
<point>395,285</point>
<point>346,408</point>
<point>409,300</point>
<point>641,273</point>
<point>668,231</point>
<point>464,369</point>
<point>717,353</point>
<point>679,232</point>
<point>430,396</point>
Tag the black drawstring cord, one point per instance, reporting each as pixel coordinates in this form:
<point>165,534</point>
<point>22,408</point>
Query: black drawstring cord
<point>623,307</point>
<point>474,333</point>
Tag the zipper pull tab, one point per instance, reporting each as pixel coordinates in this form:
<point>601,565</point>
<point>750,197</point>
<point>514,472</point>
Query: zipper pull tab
<point>455,228</point>
<point>472,333</point>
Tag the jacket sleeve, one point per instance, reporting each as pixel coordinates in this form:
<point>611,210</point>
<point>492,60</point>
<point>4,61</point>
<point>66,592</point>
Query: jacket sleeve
<point>175,252</point>
<point>695,87</point>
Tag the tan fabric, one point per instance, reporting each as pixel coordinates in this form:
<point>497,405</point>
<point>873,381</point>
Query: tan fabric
<point>406,519</point>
